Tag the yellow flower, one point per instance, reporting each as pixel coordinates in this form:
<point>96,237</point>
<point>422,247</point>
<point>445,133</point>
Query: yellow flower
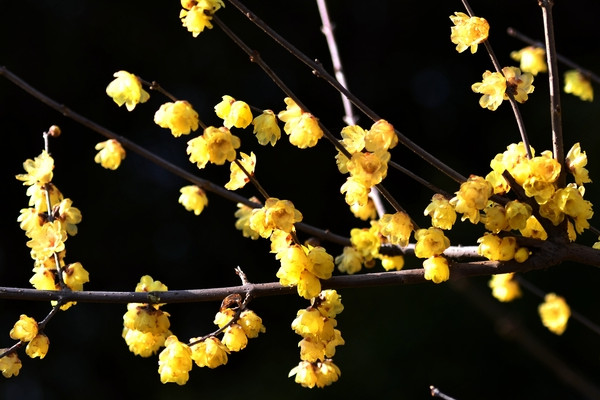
<point>276,214</point>
<point>430,242</point>
<point>366,241</point>
<point>368,168</point>
<point>193,198</point>
<point>127,89</point>
<point>302,127</point>
<point>570,201</point>
<point>436,269</point>
<point>329,303</point>
<point>350,261</point>
<point>355,192</point>
<point>74,276</point>
<point>242,223</point>
<point>145,318</point>
<point>579,85</point>
<point>380,137</point>
<point>147,284</point>
<point>518,84</point>
<point>472,197</point>
<point>365,211</point>
<point>555,313</point>
<point>251,323</point>
<point>493,88</point>
<point>25,329</point>
<point>209,353</point>
<point>68,215</point>
<point>441,211</point>
<point>10,364</point>
<point>38,347</point>
<point>175,361</point>
<point>319,374</point>
<point>534,229</point>
<point>216,145</point>
<point>575,161</point>
<point>47,240</point>
<point>517,214</point>
<point>233,112</point>
<point>353,138</point>
<point>321,263</point>
<point>532,59</point>
<point>110,155</point>
<point>494,218</point>
<point>144,344</point>
<point>266,128</point>
<point>390,263</point>
<point>468,31</point>
<point>39,170</point>
<point>496,248</point>
<point>504,287</point>
<point>179,117</point>
<point>234,338</point>
<point>238,178</point>
<point>197,15</point>
<point>396,228</point>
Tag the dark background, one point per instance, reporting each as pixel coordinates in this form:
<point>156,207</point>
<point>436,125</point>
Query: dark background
<point>399,60</point>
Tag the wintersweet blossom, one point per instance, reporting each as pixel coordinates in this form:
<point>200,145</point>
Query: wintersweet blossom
<point>381,136</point>
<point>179,117</point>
<point>266,128</point>
<point>25,329</point>
<point>215,145</point>
<point>436,269</point>
<point>441,211</point>
<point>127,89</point>
<point>532,59</point>
<point>517,83</point>
<point>276,214</point>
<point>197,15</point>
<point>235,113</point>
<point>39,170</point>
<point>110,155</point>
<point>237,177</point>
<point>493,89</point>
<point>350,261</point>
<point>302,127</point>
<point>38,346</point>
<point>368,168</point>
<point>504,287</point>
<point>175,361</point>
<point>10,365</point>
<point>430,242</point>
<point>576,161</point>
<point>210,352</point>
<point>319,374</point>
<point>579,85</point>
<point>193,198</point>
<point>472,197</point>
<point>497,248</point>
<point>396,228</point>
<point>555,313</point>
<point>468,32</point>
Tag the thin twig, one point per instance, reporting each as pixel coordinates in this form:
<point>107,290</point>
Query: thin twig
<point>555,107</point>
<point>320,72</point>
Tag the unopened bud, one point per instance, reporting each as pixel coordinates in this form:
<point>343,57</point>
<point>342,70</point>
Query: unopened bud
<point>54,131</point>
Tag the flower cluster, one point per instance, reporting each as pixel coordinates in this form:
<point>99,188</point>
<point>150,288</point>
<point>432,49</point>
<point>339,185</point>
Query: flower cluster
<point>25,330</point>
<point>145,325</point>
<point>316,324</point>
<point>48,222</point>
<point>368,163</point>
<point>177,358</point>
<point>197,14</point>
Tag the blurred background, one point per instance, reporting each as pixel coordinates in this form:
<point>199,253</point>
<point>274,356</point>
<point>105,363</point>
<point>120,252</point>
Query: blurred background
<point>399,60</point>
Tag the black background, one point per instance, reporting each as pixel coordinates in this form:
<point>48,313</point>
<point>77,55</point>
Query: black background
<point>399,60</point>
